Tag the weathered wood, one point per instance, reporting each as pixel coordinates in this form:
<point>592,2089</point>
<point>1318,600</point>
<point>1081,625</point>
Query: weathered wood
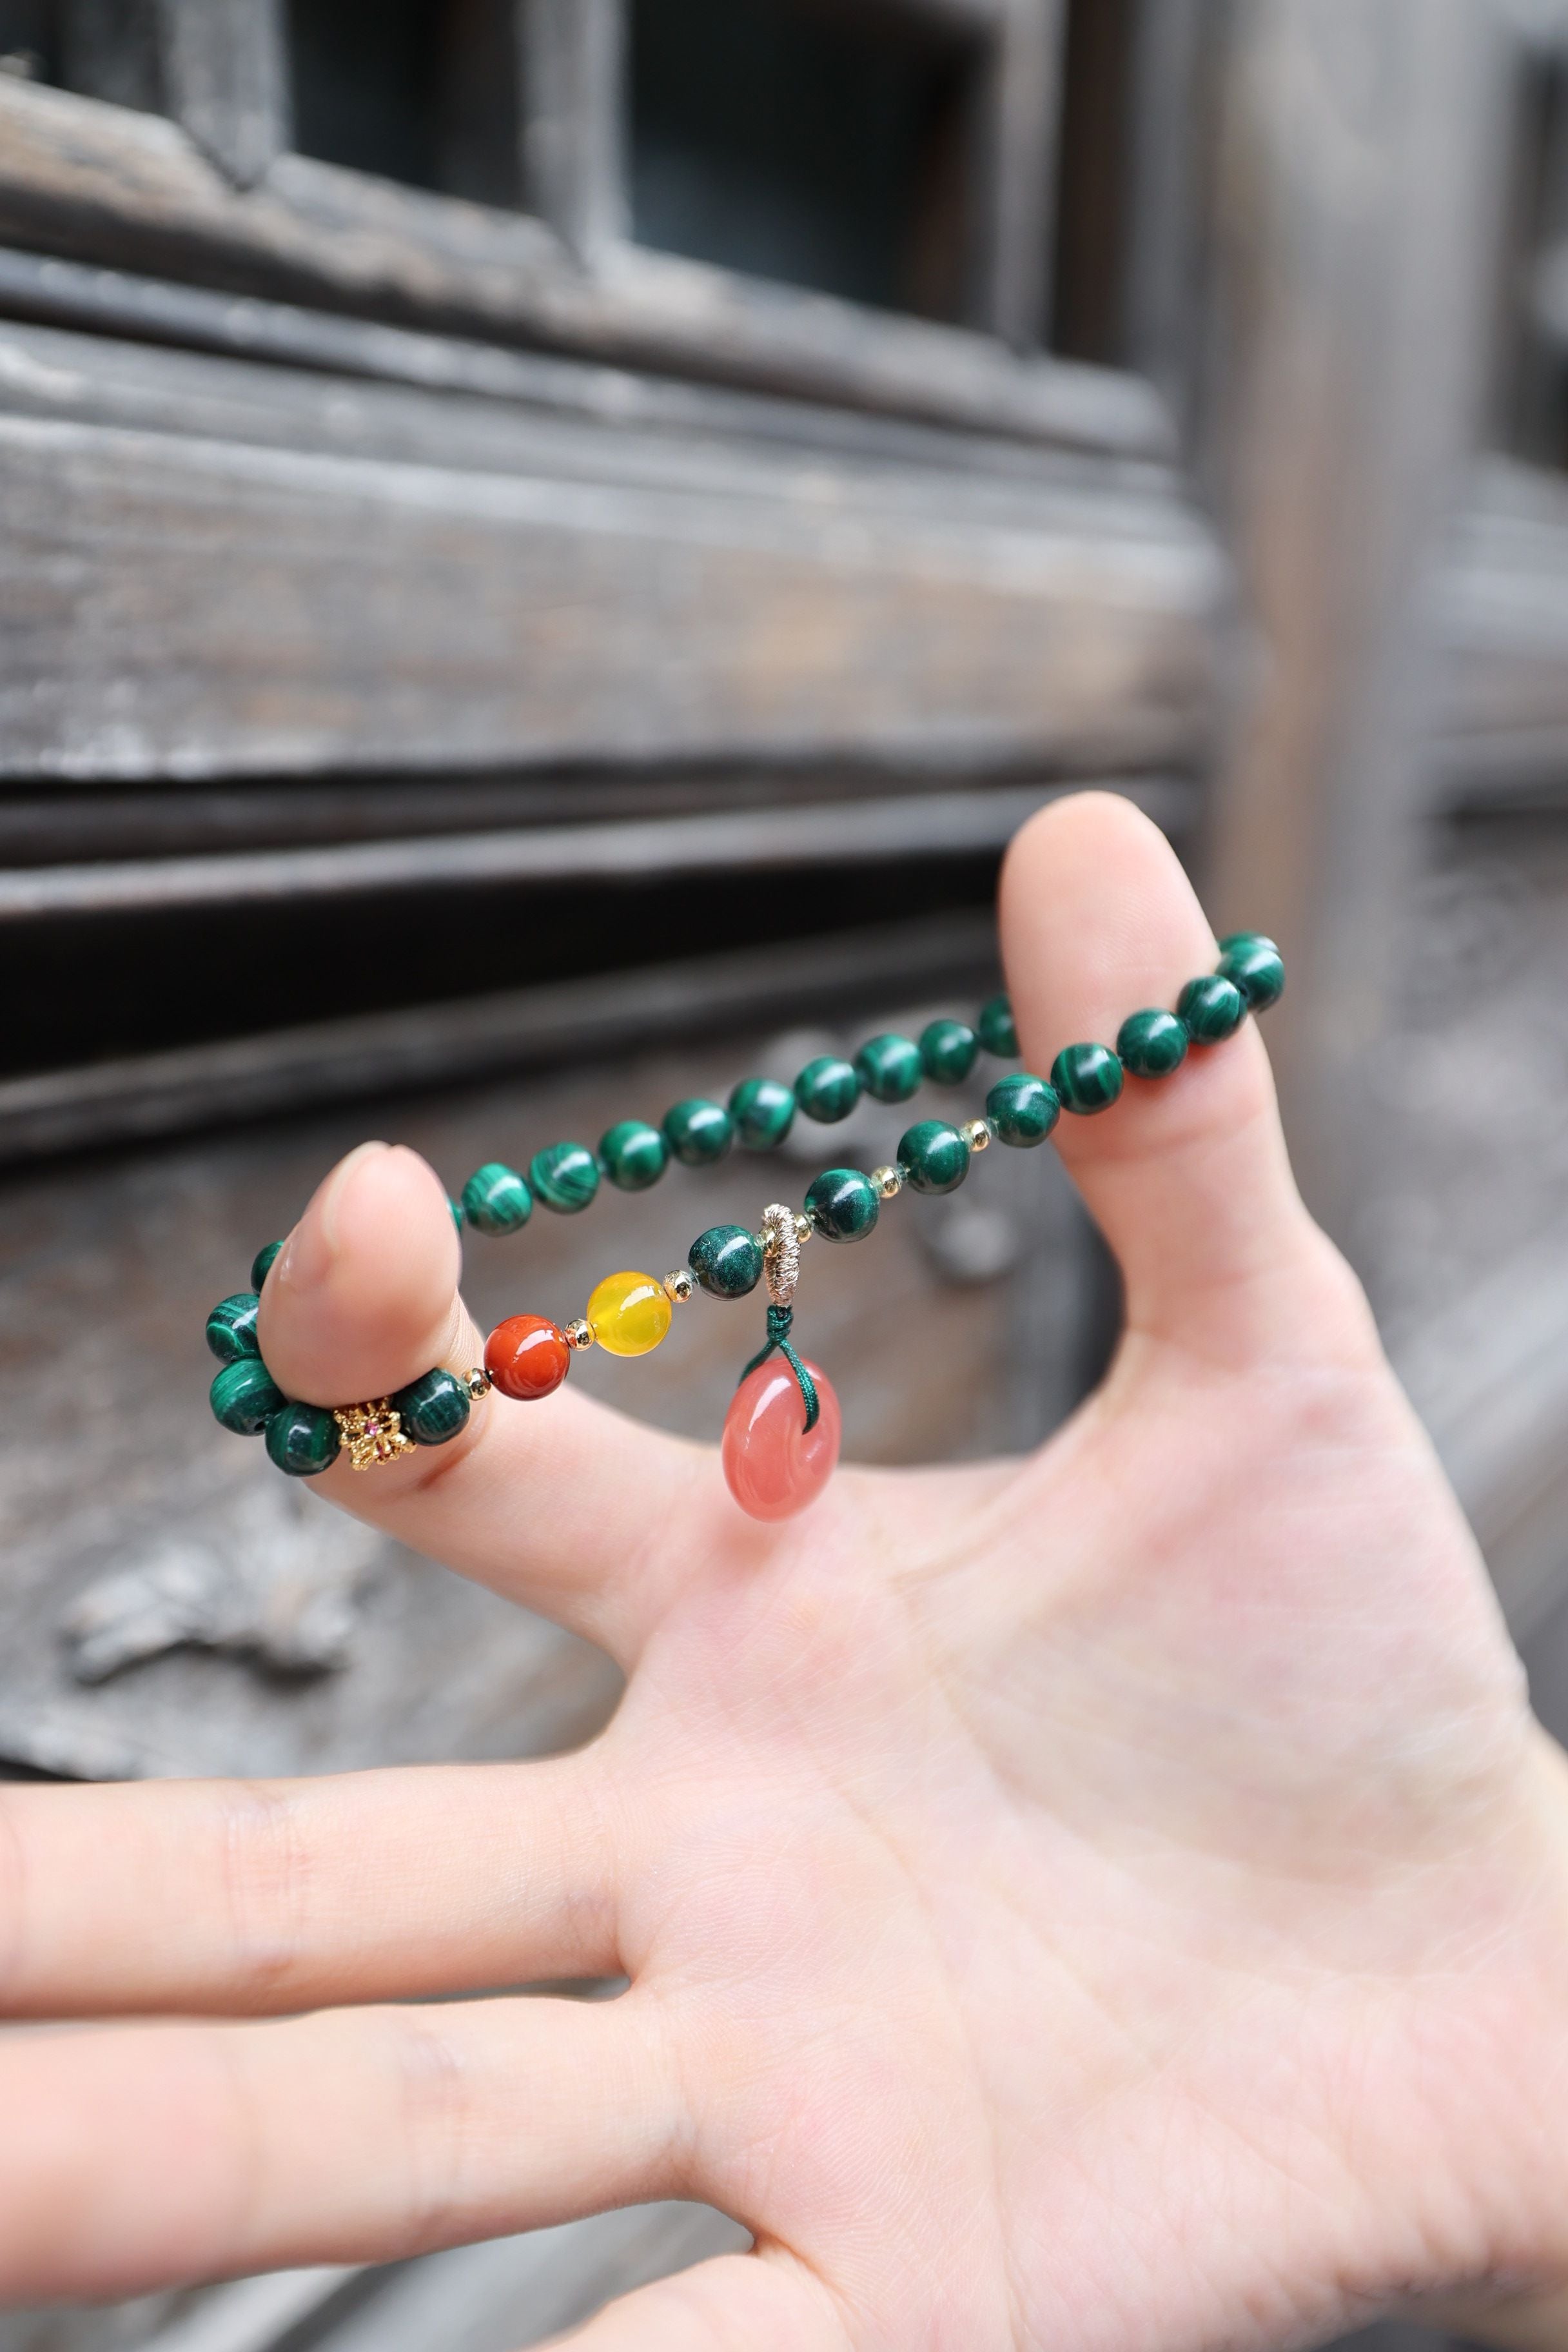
<point>521,1029</point>
<point>1501,719</point>
<point>1021,82</point>
<point>112,49</point>
<point>225,80</point>
<point>212,605</point>
<point>1175,46</point>
<point>573,108</point>
<point>1363,148</point>
<point>81,179</point>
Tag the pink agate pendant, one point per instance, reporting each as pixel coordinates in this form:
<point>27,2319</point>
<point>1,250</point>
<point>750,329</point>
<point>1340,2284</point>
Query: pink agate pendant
<point>773,1465</point>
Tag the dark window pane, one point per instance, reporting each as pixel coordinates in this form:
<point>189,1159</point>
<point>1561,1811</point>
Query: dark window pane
<point>29,40</point>
<point>822,144</point>
<point>1088,280</point>
<point>420,90</point>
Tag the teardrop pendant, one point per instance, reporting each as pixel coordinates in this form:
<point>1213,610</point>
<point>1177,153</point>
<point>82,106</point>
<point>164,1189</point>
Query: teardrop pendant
<point>772,1465</point>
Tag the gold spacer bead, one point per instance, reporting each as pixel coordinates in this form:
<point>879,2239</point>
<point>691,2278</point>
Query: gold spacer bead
<point>679,1286</point>
<point>578,1334</point>
<point>889,1182</point>
<point>804,1228</point>
<point>976,1133</point>
<point>478,1382</point>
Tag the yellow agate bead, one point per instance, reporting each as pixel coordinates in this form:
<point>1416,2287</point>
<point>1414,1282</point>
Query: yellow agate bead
<point>629,1313</point>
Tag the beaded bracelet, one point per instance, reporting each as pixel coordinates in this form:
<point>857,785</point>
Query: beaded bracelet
<point>782,1431</point>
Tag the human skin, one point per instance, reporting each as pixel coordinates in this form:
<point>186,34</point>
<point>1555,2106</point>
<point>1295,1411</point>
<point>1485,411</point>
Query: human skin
<point>1110,1900</point>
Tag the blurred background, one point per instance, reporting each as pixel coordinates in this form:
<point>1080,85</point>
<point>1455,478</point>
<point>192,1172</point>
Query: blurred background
<point>545,545</point>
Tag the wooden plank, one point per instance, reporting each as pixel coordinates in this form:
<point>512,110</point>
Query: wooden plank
<point>226,81</point>
<point>1501,719</point>
<point>1021,94</point>
<point>107,186</point>
<point>870,830</point>
<point>185,607</point>
<point>573,106</point>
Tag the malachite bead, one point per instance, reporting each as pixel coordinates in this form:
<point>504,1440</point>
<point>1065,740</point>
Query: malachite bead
<point>997,1033</point>
<point>948,1049</point>
<point>496,1199</point>
<point>890,1067</point>
<point>245,1396</point>
<point>231,1328</point>
<point>933,1156</point>
<point>434,1409</point>
<point>261,1264</point>
<point>842,1204</point>
<point>456,1210</point>
<point>827,1088</point>
<point>1256,967</point>
<point>564,1176</point>
<point>1087,1078</point>
<point>1211,1009</point>
<point>699,1132</point>
<point>727,1261</point>
<point>1023,1109</point>
<point>303,1440</point>
<point>635,1154</point>
<point>764,1112</point>
<point>1151,1044</point>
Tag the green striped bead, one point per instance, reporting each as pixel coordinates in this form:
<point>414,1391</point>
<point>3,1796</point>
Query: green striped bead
<point>303,1440</point>
<point>762,1111</point>
<point>890,1067</point>
<point>564,1176</point>
<point>1087,1078</point>
<point>635,1154</point>
<point>828,1089</point>
<point>455,1209</point>
<point>1211,1009</point>
<point>842,1204</point>
<point>245,1396</point>
<point>1023,1109</point>
<point>261,1264</point>
<point>698,1132</point>
<point>727,1261</point>
<point>434,1409</point>
<point>1255,966</point>
<point>948,1049</point>
<point>997,1033</point>
<point>933,1156</point>
<point>496,1199</point>
<point>1151,1044</point>
<point>231,1328</point>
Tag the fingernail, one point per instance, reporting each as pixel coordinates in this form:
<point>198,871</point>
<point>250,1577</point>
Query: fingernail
<point>311,1252</point>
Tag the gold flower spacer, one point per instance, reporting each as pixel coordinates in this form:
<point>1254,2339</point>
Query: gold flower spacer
<point>374,1433</point>
<point>578,1334</point>
<point>889,1182</point>
<point>679,1286</point>
<point>976,1133</point>
<point>804,1228</point>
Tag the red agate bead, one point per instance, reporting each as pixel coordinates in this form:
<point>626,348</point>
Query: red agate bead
<point>772,1465</point>
<point>528,1356</point>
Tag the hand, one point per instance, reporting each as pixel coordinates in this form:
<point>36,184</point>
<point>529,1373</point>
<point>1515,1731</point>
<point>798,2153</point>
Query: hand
<point>1109,1900</point>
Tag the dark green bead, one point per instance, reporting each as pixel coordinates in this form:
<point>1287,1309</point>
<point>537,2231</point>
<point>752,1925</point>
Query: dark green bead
<point>434,1409</point>
<point>1256,967</point>
<point>635,1154</point>
<point>948,1049</point>
<point>496,1198</point>
<point>456,1210</point>
<point>827,1088</point>
<point>933,1156</point>
<point>231,1328</point>
<point>1087,1078</point>
<point>763,1113</point>
<point>1212,1009</point>
<point>261,1264</point>
<point>842,1204</point>
<point>727,1261</point>
<point>245,1396</point>
<point>565,1176</point>
<point>698,1132</point>
<point>997,1033</point>
<point>303,1440</point>
<point>1151,1044</point>
<point>1022,1109</point>
<point>890,1067</point>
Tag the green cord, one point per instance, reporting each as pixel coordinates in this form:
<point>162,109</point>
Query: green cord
<point>779,1322</point>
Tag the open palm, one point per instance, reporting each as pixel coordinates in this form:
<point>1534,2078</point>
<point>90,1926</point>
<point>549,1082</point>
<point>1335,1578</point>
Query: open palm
<point>1114,1899</point>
